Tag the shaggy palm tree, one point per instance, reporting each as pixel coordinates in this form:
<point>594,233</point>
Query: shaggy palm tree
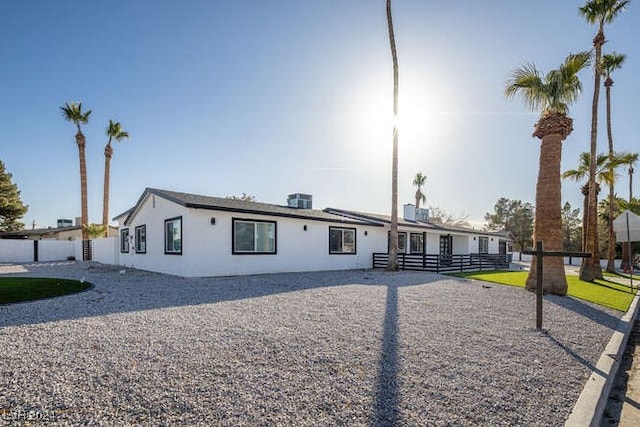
<point>610,63</point>
<point>596,12</point>
<point>552,94</point>
<point>419,181</point>
<point>393,247</point>
<point>73,112</point>
<point>115,133</point>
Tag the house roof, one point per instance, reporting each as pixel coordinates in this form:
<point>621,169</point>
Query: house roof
<point>425,225</point>
<point>197,201</point>
<point>42,231</point>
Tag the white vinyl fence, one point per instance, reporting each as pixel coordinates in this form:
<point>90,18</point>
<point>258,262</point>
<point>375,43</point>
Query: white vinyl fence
<point>104,251</point>
<point>567,260</point>
<point>43,250</point>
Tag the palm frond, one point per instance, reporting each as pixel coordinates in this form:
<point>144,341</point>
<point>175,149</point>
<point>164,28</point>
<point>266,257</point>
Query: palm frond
<point>611,62</point>
<point>115,131</point>
<point>555,91</point>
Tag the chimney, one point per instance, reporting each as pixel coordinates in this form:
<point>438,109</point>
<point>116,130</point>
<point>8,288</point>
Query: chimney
<point>78,220</point>
<point>409,212</point>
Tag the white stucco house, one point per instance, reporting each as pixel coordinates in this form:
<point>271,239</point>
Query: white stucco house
<point>196,236</point>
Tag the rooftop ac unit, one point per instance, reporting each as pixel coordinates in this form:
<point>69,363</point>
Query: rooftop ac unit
<point>422,214</point>
<point>300,201</point>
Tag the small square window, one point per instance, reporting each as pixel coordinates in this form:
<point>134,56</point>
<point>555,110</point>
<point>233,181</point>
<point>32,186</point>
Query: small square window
<point>172,236</point>
<point>141,239</point>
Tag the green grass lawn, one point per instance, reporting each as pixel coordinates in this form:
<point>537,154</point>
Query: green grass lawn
<point>19,289</point>
<point>602,292</point>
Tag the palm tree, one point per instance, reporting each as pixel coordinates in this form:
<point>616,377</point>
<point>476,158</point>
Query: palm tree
<point>419,181</point>
<point>393,247</point>
<point>596,12</point>
<point>114,132</point>
<point>73,112</point>
<point>610,63</point>
<point>605,174</point>
<point>551,94</point>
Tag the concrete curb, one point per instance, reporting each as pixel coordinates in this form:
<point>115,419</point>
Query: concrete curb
<point>590,406</point>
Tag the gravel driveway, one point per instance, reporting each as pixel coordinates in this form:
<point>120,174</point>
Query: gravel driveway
<point>328,348</point>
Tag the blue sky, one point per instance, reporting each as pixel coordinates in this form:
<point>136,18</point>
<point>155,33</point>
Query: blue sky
<point>272,98</point>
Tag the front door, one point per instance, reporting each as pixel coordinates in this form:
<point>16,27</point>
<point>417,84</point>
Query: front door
<point>446,249</point>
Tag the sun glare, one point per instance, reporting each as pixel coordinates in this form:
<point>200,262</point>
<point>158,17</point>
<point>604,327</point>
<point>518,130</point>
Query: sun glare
<point>375,116</point>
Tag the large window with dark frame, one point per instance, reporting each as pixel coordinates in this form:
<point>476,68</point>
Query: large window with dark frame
<point>342,240</point>
<point>173,236</point>
<point>483,245</point>
<point>141,239</point>
<point>252,236</point>
<point>124,240</point>
<point>416,243</point>
<point>402,242</point>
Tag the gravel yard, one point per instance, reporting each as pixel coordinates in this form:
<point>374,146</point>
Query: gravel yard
<point>328,348</point>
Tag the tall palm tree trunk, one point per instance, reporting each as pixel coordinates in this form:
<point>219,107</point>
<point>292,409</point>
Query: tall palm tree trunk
<point>585,216</point>
<point>84,215</point>
<point>552,129</point>
<point>108,153</point>
<point>611,244</point>
<point>590,268</point>
<point>393,247</point>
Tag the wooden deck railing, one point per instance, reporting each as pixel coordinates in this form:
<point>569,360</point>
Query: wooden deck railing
<point>444,263</point>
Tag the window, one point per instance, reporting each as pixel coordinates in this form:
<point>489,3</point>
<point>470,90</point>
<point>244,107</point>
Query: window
<point>173,236</point>
<point>124,240</point>
<point>416,243</point>
<point>342,240</point>
<point>483,245</point>
<point>254,237</point>
<point>402,242</point>
<point>141,239</point>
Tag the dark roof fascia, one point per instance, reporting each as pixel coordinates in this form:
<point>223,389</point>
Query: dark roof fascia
<point>418,224</point>
<point>127,212</point>
<point>180,202</point>
<point>280,214</point>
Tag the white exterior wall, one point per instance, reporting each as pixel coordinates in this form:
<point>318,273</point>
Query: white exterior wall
<point>433,244</point>
<point>461,244</point>
<point>207,248</point>
<point>153,218</point>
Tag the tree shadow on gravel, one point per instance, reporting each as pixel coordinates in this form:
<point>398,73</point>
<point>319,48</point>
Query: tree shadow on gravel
<point>584,362</point>
<point>137,290</point>
<point>387,400</point>
<point>597,315</point>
